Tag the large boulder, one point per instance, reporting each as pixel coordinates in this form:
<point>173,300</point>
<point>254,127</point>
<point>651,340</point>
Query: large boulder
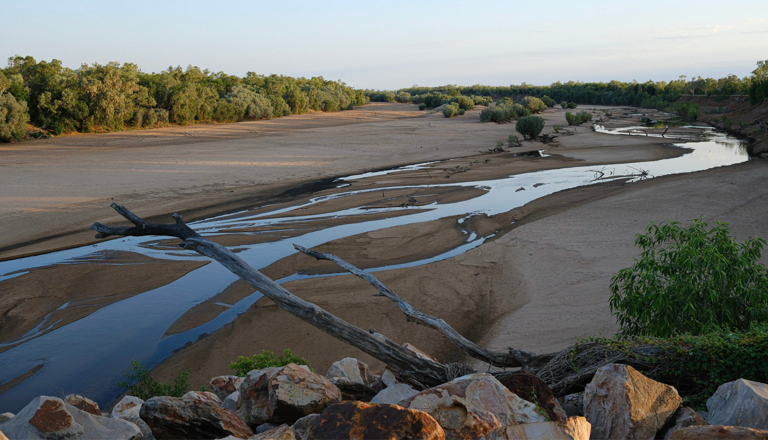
<point>533,389</point>
<point>51,418</point>
<point>719,432</point>
<point>284,394</point>
<point>472,406</point>
<point>128,409</point>
<point>683,418</point>
<point>739,403</point>
<point>621,403</point>
<point>175,418</point>
<point>223,386</point>
<point>352,378</point>
<point>394,394</point>
<point>303,425</point>
<point>360,420</point>
<point>572,428</point>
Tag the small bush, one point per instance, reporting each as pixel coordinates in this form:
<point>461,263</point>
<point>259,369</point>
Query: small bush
<point>534,105</point>
<point>514,141</point>
<point>691,280</point>
<point>451,109</point>
<point>530,126</point>
<point>564,104</point>
<point>422,106</point>
<point>141,384</point>
<point>266,359</point>
<point>556,128</point>
<point>549,102</point>
<point>502,112</point>
<point>572,105</point>
<point>578,118</point>
<point>465,103</point>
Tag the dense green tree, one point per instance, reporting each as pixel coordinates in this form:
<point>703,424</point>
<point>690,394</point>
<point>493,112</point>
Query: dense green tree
<point>530,126</point>
<point>13,118</point>
<point>534,105</point>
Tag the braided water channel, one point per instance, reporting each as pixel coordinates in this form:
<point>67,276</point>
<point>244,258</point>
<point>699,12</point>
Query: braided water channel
<point>89,355</point>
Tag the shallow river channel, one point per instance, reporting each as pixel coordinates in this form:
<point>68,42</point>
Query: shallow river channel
<point>89,355</point>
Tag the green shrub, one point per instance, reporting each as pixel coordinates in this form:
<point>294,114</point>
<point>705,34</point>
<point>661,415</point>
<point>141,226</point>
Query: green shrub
<point>13,118</point>
<point>690,280</point>
<point>514,141</point>
<point>504,111</point>
<point>530,126</point>
<point>564,104</point>
<point>572,105</point>
<point>549,102</point>
<point>578,118</point>
<point>141,384</point>
<point>465,103</point>
<point>688,111</point>
<point>534,105</point>
<point>482,100</point>
<point>422,106</point>
<point>556,128</point>
<point>266,359</point>
<point>451,109</point>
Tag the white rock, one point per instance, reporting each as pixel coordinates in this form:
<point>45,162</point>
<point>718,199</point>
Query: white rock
<point>394,394</point>
<point>349,369</point>
<point>739,403</point>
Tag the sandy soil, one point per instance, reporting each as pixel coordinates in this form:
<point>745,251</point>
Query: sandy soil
<point>540,283</point>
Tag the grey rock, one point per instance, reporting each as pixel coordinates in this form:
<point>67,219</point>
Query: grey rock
<point>303,425</point>
<point>394,394</point>
<point>739,403</point>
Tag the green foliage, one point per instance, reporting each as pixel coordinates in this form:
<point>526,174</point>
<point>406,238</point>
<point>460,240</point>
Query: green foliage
<point>13,118</point>
<point>534,105</point>
<point>422,106</point>
<point>691,280</point>
<point>482,100</point>
<point>530,126</point>
<point>578,118</point>
<point>696,365</point>
<point>465,103</point>
<point>514,141</point>
<point>564,104</point>
<point>451,109</point>
<point>556,128</point>
<point>141,384</point>
<point>758,90</point>
<point>266,359</point>
<point>549,102</point>
<point>503,111</point>
<point>572,105</point>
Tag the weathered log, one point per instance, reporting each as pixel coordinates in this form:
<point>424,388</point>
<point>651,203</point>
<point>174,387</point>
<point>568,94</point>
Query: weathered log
<point>511,358</point>
<point>424,371</point>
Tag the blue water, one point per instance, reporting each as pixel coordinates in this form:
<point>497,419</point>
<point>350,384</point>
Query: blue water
<point>87,356</point>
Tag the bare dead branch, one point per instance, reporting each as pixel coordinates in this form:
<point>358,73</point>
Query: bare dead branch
<point>510,358</point>
<point>423,371</point>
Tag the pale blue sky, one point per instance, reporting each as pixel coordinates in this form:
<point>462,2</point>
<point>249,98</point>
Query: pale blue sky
<point>393,44</point>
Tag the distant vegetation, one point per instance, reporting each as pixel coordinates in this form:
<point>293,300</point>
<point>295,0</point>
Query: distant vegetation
<point>530,126</point>
<point>265,359</point>
<point>138,382</point>
<point>578,118</point>
<point>115,97</point>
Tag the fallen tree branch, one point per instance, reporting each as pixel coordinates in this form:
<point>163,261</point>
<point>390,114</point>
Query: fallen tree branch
<point>511,358</point>
<point>423,371</point>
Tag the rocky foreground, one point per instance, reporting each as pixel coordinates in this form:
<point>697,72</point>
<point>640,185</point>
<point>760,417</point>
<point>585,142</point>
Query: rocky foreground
<point>350,402</point>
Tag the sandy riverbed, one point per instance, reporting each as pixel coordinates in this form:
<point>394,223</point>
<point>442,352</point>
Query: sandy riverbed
<point>538,285</point>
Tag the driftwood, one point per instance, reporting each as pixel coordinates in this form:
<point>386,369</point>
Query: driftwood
<point>419,371</point>
<point>424,371</point>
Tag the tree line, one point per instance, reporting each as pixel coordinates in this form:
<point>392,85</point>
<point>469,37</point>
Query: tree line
<point>112,96</point>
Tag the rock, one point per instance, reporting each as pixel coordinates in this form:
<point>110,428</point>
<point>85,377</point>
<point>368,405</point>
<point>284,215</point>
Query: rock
<point>284,394</point>
<point>51,418</point>
<point>683,418</point>
<point>739,403</point>
<point>360,420</point>
<point>223,386</point>
<point>575,399</point>
<point>621,403</point>
<point>388,377</point>
<point>174,418</point>
<point>533,389</point>
<point>230,402</point>
<point>573,428</point>
<point>128,409</point>
<point>394,394</point>
<point>302,426</point>
<point>5,416</point>
<point>83,404</point>
<point>719,432</point>
<point>282,432</point>
<point>203,395</point>
<point>350,369</point>
<point>264,428</point>
<point>474,405</point>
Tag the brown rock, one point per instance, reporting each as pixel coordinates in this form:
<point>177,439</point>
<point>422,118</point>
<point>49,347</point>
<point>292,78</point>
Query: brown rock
<point>683,418</point>
<point>53,418</point>
<point>205,396</point>
<point>282,432</point>
<point>223,386</point>
<point>573,428</point>
<point>83,404</point>
<point>175,418</point>
<point>2,436</point>
<point>533,389</point>
<point>621,403</point>
<point>359,420</point>
<point>718,432</point>
<point>284,394</point>
<point>474,405</point>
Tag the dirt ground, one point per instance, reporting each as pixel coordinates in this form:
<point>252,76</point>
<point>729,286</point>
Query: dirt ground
<point>541,283</point>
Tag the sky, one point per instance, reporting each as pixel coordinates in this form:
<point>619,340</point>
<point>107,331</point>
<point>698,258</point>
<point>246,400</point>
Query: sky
<point>394,44</point>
